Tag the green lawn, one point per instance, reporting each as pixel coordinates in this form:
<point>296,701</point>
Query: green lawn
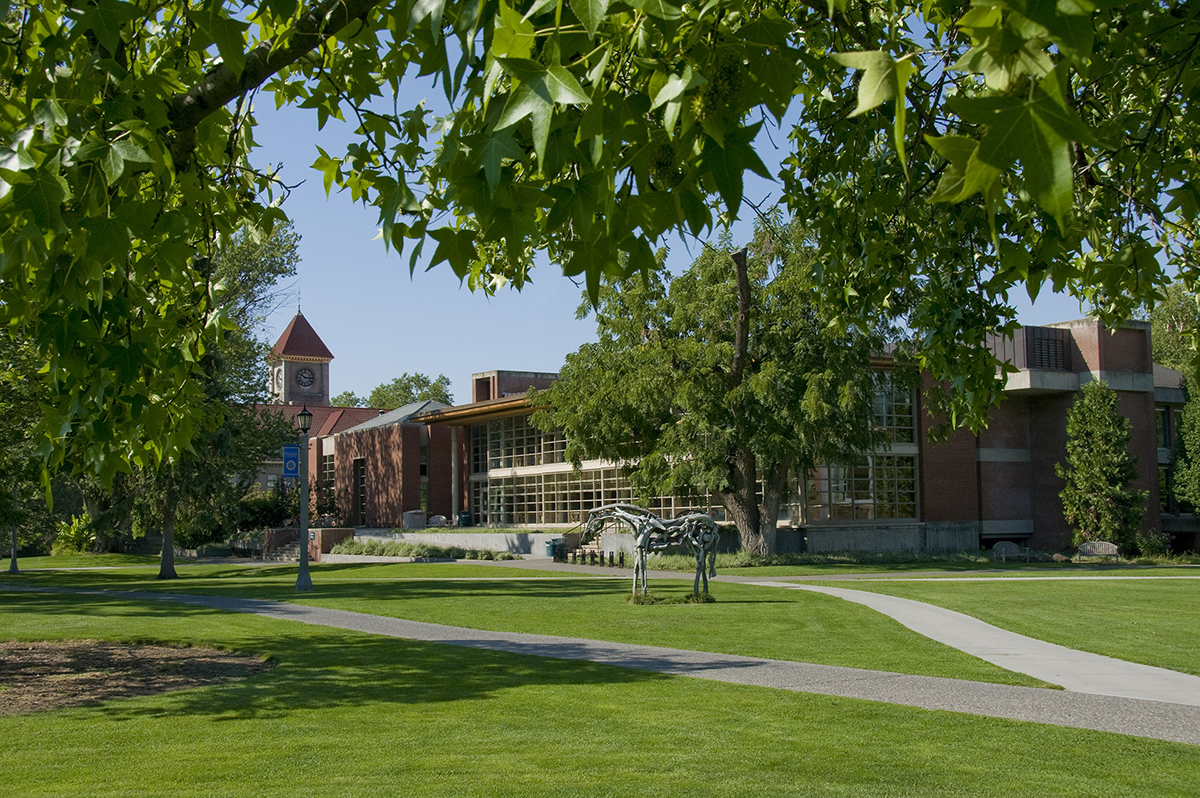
<point>746,619</point>
<point>347,714</point>
<point>1153,621</point>
<point>951,569</point>
<point>80,561</point>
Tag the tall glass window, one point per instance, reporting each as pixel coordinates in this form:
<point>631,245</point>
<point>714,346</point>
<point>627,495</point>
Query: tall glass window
<point>881,485</point>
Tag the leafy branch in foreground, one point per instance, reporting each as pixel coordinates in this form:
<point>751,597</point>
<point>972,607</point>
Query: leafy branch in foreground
<point>962,150</point>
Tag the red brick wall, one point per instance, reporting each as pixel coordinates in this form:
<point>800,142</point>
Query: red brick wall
<point>1008,425</point>
<point>408,495</point>
<point>381,449</point>
<point>1005,491</point>
<point>439,472</point>
<point>1085,349</point>
<point>1143,444</point>
<point>948,484</point>
<point>1048,428</point>
<point>1128,349</point>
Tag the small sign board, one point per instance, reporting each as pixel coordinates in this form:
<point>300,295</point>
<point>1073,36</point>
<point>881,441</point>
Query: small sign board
<point>291,461</point>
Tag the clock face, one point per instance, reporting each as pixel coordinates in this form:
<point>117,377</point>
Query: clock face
<point>305,378</point>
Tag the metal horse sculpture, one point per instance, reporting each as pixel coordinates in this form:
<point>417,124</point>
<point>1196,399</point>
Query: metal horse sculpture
<point>695,532</point>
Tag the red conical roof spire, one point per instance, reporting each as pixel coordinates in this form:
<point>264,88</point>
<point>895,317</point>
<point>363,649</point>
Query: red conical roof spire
<point>301,340</point>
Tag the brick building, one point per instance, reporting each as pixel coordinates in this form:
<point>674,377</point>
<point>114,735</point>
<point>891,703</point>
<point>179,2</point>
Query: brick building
<point>915,495</point>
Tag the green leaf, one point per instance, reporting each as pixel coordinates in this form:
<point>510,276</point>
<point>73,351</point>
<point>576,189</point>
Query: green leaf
<point>591,13</point>
<point>592,258</point>
<point>1053,109</point>
<point>456,247</point>
<point>1026,130</point>
<point>108,240</point>
<point>431,10</point>
<point>904,70</point>
<point>726,165</point>
<point>539,6</point>
<point>966,174</point>
<point>42,198</point>
<point>675,85</point>
<point>530,100</point>
<point>659,9</point>
<point>880,81</point>
<point>104,20</point>
<point>491,154</point>
<point>564,88</point>
<point>120,151</point>
<point>513,39</point>
<point>229,35</point>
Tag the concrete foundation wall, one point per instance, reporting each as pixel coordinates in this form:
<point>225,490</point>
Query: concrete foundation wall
<point>930,538</point>
<point>531,543</point>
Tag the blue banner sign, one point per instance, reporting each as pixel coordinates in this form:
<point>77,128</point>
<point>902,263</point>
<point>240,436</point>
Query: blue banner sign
<point>291,461</point>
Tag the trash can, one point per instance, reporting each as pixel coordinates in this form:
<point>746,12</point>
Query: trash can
<point>560,550</point>
<point>464,518</point>
<point>551,548</point>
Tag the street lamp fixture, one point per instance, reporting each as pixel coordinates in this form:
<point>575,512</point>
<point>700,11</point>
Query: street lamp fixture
<point>304,421</point>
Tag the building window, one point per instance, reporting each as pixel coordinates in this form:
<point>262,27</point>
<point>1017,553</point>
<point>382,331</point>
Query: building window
<point>479,449</point>
<point>328,474</point>
<point>881,486</point>
<point>516,443</point>
<point>1166,433</point>
<point>479,501</point>
<point>566,497</point>
<point>894,410</point>
<point>423,459</point>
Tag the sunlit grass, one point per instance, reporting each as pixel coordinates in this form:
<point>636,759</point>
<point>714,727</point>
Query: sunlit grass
<point>349,714</point>
<point>1153,621</point>
<point>745,619</point>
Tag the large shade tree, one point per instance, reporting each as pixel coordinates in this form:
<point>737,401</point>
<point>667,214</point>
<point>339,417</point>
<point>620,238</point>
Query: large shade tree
<point>726,380</point>
<point>967,148</point>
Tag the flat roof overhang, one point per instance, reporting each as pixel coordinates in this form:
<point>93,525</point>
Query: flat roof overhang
<point>476,412</point>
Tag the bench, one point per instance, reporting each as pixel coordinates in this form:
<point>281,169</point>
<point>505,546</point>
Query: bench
<point>1097,548</point>
<point>1005,549</point>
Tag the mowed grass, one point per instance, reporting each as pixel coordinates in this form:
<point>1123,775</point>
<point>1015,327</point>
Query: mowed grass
<point>348,714</point>
<point>80,561</point>
<point>746,619</point>
<point>1153,621</point>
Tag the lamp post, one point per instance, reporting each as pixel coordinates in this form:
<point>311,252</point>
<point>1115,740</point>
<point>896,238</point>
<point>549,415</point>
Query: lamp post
<point>304,419</point>
<point>12,564</point>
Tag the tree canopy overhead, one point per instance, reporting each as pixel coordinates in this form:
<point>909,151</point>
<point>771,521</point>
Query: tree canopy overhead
<point>965,149</point>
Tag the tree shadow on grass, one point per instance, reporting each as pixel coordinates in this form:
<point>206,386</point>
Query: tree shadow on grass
<point>315,667</point>
<point>278,586</point>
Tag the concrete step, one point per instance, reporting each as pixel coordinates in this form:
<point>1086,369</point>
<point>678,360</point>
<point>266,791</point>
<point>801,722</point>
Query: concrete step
<point>288,553</point>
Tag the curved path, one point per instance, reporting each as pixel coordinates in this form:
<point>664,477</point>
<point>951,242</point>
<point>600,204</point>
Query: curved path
<point>1079,671</point>
<point>1143,718</point>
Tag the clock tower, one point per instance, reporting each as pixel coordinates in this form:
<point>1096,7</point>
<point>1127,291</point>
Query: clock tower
<point>300,366</point>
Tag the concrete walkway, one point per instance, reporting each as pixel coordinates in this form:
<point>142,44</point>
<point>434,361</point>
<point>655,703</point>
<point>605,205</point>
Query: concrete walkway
<point>1078,671</point>
<point>1143,718</point>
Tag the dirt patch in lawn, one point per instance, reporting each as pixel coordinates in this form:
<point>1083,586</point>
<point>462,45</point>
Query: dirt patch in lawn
<point>37,676</point>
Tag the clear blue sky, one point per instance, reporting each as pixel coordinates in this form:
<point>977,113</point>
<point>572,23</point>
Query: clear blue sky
<point>380,323</point>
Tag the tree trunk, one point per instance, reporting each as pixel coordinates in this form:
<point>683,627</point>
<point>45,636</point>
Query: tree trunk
<point>774,484</point>
<point>741,503</point>
<point>166,566</point>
